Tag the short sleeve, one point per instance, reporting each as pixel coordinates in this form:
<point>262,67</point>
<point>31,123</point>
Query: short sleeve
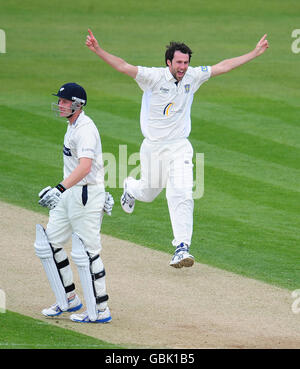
<point>146,77</point>
<point>86,143</point>
<point>201,75</point>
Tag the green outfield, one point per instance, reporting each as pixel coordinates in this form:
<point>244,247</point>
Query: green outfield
<point>20,332</point>
<point>246,122</point>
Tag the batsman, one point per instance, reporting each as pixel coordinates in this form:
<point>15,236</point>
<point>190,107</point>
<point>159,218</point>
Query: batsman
<point>77,205</point>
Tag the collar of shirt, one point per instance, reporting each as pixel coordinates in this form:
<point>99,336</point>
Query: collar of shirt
<point>78,120</point>
<point>169,76</point>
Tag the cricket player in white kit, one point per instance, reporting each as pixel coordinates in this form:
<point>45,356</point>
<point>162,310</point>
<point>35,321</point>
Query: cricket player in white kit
<point>76,209</point>
<point>166,153</point>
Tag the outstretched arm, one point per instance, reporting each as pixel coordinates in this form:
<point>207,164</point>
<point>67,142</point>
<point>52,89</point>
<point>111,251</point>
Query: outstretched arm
<point>117,63</point>
<point>229,64</point>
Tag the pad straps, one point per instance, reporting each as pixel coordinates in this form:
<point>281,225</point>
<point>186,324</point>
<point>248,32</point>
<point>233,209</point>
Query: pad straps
<point>60,265</point>
<point>96,276</point>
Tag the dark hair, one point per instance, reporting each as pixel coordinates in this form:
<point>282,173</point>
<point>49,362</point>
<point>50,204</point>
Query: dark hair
<point>174,46</point>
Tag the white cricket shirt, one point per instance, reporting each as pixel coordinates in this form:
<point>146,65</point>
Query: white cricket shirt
<point>82,140</point>
<point>166,107</point>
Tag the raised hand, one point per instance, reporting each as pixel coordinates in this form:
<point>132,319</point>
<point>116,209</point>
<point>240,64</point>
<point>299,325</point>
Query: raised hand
<point>262,45</point>
<point>91,41</point>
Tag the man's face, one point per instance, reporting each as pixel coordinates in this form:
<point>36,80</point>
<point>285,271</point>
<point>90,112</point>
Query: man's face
<point>179,65</point>
<point>64,106</point>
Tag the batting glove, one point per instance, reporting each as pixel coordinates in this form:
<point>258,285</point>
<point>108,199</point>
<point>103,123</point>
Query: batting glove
<point>49,197</point>
<point>109,203</point>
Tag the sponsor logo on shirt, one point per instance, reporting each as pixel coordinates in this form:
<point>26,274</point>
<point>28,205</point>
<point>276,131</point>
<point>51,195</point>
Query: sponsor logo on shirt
<point>164,90</point>
<point>67,151</point>
<point>204,69</point>
<point>87,149</point>
<point>167,109</point>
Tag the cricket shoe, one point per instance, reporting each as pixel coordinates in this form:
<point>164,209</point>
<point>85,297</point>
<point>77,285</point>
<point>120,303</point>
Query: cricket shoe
<point>182,257</point>
<point>103,317</point>
<point>127,201</point>
<point>74,304</point>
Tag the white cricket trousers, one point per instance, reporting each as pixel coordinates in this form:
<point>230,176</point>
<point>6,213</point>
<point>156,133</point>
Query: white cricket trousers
<point>78,211</point>
<point>168,165</point>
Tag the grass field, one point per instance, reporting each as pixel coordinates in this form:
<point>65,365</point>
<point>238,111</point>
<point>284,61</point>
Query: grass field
<point>246,122</point>
<point>20,332</point>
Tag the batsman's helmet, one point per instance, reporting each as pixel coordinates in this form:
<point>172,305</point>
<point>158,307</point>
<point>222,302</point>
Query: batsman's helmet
<point>73,92</point>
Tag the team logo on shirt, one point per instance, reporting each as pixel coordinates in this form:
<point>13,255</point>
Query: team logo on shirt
<point>187,88</point>
<point>204,68</point>
<point>167,109</point>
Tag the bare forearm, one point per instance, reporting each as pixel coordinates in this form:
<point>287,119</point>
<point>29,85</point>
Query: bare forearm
<point>81,171</point>
<point>117,63</point>
<point>114,61</point>
<point>76,176</point>
<point>228,64</point>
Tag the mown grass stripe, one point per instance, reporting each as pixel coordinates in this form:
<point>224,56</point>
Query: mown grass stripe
<point>244,188</point>
<point>249,167</point>
<point>249,144</point>
<point>250,121</point>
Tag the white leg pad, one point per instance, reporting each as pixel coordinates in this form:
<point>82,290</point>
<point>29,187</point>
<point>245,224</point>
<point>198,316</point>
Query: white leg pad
<point>98,276</point>
<point>44,252</point>
<point>81,259</point>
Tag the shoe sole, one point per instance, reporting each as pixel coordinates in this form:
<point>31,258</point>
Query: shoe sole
<point>106,320</point>
<point>187,262</point>
<point>76,308</point>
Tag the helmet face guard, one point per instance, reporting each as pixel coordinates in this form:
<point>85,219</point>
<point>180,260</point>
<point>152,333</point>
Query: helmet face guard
<point>62,111</point>
<point>72,92</point>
